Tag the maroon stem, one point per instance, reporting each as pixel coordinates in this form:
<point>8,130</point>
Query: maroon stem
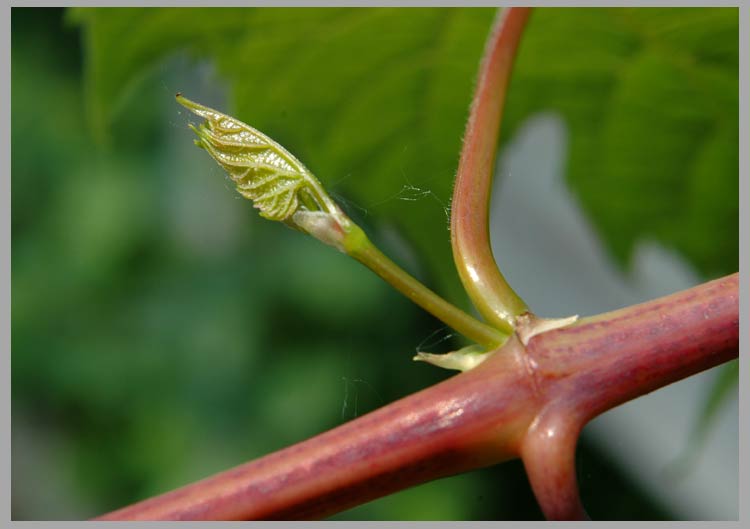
<point>609,359</point>
<point>548,453</point>
<point>522,401</point>
<point>612,358</point>
<point>470,420</point>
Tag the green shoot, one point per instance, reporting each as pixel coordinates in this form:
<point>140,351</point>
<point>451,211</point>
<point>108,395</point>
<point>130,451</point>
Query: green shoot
<point>284,190</point>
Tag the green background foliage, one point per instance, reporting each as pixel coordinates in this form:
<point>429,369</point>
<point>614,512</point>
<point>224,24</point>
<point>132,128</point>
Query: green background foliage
<point>163,332</point>
<point>650,96</point>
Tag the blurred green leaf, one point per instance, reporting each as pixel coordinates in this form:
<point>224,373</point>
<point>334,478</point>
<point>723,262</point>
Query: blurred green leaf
<point>379,124</point>
<point>121,45</point>
<point>651,100</point>
<point>374,102</point>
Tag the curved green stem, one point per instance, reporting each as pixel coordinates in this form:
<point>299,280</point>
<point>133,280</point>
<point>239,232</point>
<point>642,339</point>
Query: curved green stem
<point>485,285</point>
<point>285,190</point>
<point>357,245</point>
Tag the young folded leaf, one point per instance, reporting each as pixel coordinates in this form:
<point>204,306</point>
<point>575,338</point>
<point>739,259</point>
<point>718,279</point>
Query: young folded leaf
<point>285,190</point>
<point>279,185</point>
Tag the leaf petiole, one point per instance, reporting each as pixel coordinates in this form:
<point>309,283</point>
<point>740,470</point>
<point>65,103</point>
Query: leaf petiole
<point>283,189</point>
<point>368,254</point>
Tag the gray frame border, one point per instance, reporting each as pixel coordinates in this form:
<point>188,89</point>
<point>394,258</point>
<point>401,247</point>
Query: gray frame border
<point>5,283</point>
<point>5,208</point>
<point>744,193</point>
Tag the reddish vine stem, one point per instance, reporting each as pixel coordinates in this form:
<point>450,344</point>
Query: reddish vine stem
<point>486,286</point>
<point>548,454</point>
<point>524,401</point>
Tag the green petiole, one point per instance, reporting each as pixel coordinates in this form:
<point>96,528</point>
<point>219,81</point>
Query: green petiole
<point>283,189</point>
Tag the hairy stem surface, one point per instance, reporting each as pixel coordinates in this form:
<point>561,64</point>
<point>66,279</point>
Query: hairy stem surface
<point>486,286</point>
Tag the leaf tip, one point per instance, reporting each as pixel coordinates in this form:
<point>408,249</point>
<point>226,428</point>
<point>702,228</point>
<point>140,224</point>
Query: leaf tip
<point>190,105</point>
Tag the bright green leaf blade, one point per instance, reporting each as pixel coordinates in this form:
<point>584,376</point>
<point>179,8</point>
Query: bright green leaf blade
<point>263,170</point>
